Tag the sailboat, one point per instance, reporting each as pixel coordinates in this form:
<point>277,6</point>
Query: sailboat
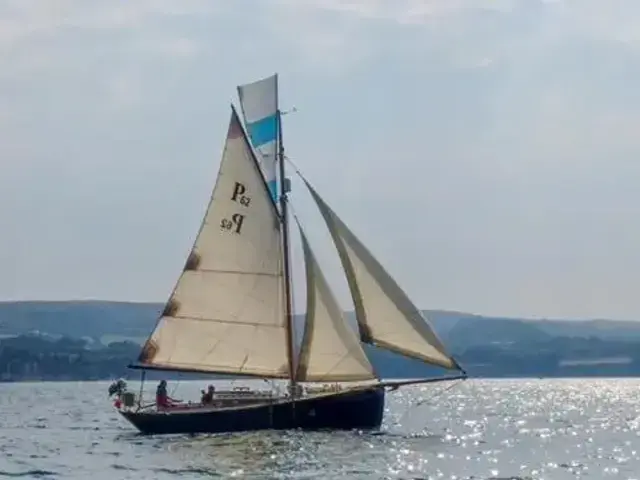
<point>230,312</point>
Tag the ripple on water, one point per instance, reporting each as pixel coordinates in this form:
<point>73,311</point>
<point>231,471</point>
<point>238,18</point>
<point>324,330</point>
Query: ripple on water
<point>28,474</point>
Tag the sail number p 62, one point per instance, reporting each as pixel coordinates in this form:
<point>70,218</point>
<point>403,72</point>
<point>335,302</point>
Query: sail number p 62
<point>234,224</point>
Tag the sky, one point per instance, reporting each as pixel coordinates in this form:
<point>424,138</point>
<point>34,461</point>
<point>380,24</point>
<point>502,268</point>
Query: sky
<point>485,151</point>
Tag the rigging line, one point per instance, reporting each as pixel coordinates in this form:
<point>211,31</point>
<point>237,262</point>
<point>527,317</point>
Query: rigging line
<point>439,393</point>
<point>142,379</point>
<point>430,398</point>
<point>295,216</point>
<point>176,385</point>
<point>294,166</point>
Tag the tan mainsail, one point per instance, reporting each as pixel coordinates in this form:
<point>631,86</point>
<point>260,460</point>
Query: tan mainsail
<point>386,317</point>
<point>331,351</point>
<point>227,312</point>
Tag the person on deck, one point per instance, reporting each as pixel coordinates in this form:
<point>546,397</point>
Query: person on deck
<point>163,401</point>
<point>207,398</point>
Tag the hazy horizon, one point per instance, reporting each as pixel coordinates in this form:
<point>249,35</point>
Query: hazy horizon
<point>347,310</point>
<point>484,150</point>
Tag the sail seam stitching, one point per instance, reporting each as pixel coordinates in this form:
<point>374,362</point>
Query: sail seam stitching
<point>236,272</point>
<point>231,322</point>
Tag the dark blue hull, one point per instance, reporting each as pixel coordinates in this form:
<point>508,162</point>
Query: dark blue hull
<point>361,409</point>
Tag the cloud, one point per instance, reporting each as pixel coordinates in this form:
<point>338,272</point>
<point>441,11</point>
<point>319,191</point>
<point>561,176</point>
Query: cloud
<point>485,148</point>
<point>26,18</point>
<point>400,11</point>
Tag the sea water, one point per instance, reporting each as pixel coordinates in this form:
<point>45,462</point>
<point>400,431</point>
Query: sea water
<point>480,429</point>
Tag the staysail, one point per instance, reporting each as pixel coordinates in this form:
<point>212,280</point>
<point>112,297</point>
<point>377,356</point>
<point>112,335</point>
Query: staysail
<point>259,104</point>
<point>227,312</point>
<point>331,351</point>
<point>386,316</point>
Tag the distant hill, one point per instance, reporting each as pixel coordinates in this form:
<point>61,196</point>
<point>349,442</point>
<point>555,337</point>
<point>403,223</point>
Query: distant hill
<point>603,329</point>
<point>486,346</point>
<point>93,319</point>
<point>96,319</point>
<point>474,331</point>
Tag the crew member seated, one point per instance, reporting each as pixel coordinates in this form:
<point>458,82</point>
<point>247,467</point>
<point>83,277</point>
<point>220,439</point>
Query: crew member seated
<point>207,397</point>
<point>163,401</point>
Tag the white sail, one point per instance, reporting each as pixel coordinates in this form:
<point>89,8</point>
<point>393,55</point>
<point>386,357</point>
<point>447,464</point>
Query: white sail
<point>227,313</point>
<point>331,351</point>
<point>386,316</point>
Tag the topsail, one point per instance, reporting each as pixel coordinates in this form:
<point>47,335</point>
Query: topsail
<point>259,104</point>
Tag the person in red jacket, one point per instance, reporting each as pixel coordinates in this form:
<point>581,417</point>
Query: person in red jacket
<point>163,400</point>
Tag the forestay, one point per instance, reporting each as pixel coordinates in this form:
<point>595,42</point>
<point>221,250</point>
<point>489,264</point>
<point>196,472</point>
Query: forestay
<point>331,351</point>
<point>386,316</point>
<point>227,312</point>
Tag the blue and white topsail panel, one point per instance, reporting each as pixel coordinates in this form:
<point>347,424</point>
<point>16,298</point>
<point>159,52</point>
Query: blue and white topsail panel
<point>259,104</point>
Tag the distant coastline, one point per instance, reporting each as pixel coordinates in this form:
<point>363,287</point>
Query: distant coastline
<point>94,340</point>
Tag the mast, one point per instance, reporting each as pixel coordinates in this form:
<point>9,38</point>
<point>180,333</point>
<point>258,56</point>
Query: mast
<point>286,250</point>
